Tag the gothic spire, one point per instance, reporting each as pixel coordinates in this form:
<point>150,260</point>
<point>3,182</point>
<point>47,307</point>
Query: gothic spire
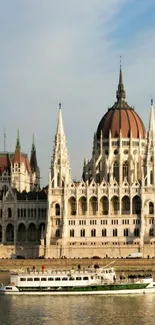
<point>17,155</point>
<point>151,130</point>
<point>60,128</point>
<point>33,158</point>
<point>18,140</point>
<point>60,166</point>
<point>120,94</point>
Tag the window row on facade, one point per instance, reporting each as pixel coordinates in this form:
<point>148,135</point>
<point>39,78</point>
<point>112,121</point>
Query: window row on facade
<point>105,222</point>
<point>104,206</point>
<point>111,232</point>
<point>39,213</point>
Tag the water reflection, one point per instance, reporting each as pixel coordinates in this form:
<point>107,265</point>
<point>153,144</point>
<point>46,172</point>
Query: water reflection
<point>81,310</point>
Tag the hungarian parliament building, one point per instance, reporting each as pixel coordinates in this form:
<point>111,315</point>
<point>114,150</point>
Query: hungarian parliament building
<point>108,214</point>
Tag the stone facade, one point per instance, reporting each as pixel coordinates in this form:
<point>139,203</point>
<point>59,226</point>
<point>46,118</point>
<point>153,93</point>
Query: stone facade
<point>111,211</point>
<point>23,206</point>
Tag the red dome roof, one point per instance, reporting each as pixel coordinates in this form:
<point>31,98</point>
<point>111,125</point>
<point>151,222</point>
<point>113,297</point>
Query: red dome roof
<point>121,117</point>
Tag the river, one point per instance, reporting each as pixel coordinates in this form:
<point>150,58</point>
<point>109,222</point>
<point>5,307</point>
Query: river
<point>80,310</point>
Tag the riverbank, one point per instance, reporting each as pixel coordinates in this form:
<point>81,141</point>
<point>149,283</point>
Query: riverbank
<point>119,264</point>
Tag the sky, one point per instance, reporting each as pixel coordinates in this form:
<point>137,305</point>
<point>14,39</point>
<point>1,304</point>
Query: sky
<point>69,52</point>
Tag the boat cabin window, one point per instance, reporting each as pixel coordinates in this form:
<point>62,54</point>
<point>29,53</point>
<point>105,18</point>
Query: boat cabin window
<point>64,279</point>
<point>50,279</point>
<point>85,278</point>
<point>71,278</point>
<point>78,278</point>
<point>92,277</point>
<point>22,279</point>
<point>29,279</point>
<point>36,279</point>
<point>43,279</point>
<point>8,288</point>
<point>57,279</point>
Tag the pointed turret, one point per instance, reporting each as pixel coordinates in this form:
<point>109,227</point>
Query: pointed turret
<point>60,128</point>
<point>35,177</point>
<point>33,158</point>
<point>18,140</point>
<point>60,166</point>
<point>120,94</point>
<point>151,130</point>
<point>17,155</point>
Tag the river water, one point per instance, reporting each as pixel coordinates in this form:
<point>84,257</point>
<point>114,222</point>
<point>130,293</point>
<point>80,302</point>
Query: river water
<point>80,310</point>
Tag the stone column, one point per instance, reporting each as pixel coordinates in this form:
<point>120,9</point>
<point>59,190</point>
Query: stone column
<point>15,235</point>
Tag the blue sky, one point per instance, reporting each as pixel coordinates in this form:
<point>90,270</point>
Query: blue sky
<point>68,51</point>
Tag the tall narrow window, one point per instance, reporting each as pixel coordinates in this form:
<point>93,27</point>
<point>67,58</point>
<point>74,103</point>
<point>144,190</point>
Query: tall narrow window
<point>151,177</point>
<point>151,208</point>
<point>115,232</point>
<point>93,232</point>
<point>104,232</point>
<point>71,232</point>
<point>9,213</point>
<point>116,171</point>
<point>57,209</point>
<point>82,232</point>
<point>126,232</point>
<point>125,170</point>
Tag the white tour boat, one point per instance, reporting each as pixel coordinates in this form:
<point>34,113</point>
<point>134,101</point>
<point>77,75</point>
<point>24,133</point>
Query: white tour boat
<point>96,281</point>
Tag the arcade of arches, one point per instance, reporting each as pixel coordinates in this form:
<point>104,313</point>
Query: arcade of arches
<point>105,206</point>
<point>23,233</point>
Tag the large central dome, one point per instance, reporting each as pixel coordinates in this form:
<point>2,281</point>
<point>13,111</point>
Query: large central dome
<point>121,117</point>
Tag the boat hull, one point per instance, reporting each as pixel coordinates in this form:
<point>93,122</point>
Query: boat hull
<point>73,293</point>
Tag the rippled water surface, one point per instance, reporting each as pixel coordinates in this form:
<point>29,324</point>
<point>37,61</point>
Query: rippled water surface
<point>110,310</point>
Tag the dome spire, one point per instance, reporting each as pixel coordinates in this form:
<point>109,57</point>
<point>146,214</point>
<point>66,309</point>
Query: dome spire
<point>120,94</point>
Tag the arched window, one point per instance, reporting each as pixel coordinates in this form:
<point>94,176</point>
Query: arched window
<point>151,208</point>
<point>32,232</point>
<point>125,205</point>
<point>104,206</point>
<point>136,205</point>
<point>136,232</point>
<point>116,171</point>
<point>57,233</point>
<point>71,232</point>
<point>126,232</point>
<point>104,232</point>
<point>114,232</point>
<point>93,206</point>
<point>151,232</point>
<point>125,170</point>
<point>57,209</point>
<point>9,213</point>
<point>21,232</point>
<point>9,233</point>
<point>114,206</point>
<point>82,232</point>
<point>82,206</point>
<point>93,232</point>
<point>72,206</point>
